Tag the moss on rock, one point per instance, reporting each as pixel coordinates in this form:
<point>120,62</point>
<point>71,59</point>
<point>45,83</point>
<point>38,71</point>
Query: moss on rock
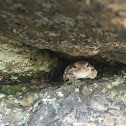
<point>11,88</point>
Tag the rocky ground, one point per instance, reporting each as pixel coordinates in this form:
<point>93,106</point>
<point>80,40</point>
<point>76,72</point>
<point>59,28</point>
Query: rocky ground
<point>98,102</point>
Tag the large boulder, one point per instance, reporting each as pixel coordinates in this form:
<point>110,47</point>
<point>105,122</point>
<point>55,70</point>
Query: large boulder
<point>75,28</point>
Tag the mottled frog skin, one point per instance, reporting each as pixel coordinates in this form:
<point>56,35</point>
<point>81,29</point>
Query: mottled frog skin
<point>78,70</point>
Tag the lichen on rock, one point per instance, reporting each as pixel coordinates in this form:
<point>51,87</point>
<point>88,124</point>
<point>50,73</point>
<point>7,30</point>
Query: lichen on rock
<point>18,60</point>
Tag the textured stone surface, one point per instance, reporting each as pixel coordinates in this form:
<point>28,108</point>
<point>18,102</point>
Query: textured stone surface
<point>19,62</point>
<point>98,102</point>
<point>75,28</point>
<point>84,103</point>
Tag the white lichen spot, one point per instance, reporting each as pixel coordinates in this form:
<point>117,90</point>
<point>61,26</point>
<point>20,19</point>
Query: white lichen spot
<point>79,99</point>
<point>35,96</point>
<point>1,77</point>
<point>14,30</point>
<point>7,111</point>
<point>60,94</point>
<point>118,81</point>
<point>96,51</point>
<point>16,101</point>
<point>23,121</point>
<point>123,98</point>
<point>2,95</point>
<point>104,90</point>
<point>77,90</point>
<point>1,117</point>
<point>95,85</point>
<point>91,89</point>
<point>14,77</point>
<point>45,100</point>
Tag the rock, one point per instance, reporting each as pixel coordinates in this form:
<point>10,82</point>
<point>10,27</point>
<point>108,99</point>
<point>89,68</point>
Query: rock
<point>81,31</point>
<point>98,104</point>
<point>83,103</point>
<point>19,62</point>
<point>73,28</point>
<point>88,102</point>
<point>77,109</point>
<point>28,99</point>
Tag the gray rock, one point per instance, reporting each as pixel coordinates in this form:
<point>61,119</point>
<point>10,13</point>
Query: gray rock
<point>96,109</point>
<point>98,102</point>
<point>74,28</point>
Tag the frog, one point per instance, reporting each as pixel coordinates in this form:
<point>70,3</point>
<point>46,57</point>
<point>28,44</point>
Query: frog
<point>79,70</point>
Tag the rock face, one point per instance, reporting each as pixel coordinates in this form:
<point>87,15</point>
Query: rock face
<point>19,62</point>
<point>99,102</point>
<point>75,28</point>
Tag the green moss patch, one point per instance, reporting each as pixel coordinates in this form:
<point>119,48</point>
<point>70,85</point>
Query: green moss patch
<point>11,89</point>
<point>46,61</point>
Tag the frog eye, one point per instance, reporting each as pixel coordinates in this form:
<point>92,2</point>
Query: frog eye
<point>75,65</point>
<point>93,69</point>
<point>88,64</point>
